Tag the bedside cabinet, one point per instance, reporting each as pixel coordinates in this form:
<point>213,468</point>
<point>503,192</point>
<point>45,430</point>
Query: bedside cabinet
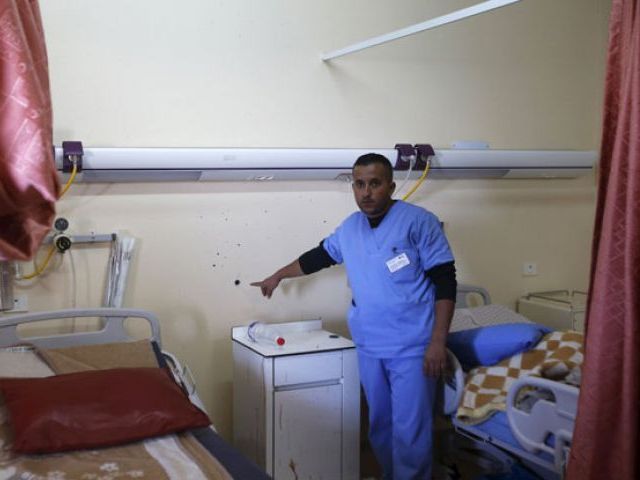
<point>296,408</point>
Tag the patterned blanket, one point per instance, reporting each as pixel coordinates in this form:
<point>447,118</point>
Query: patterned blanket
<point>558,356</point>
<point>163,458</point>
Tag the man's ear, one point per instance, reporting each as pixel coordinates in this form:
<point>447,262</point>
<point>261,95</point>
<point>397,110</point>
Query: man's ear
<point>393,187</point>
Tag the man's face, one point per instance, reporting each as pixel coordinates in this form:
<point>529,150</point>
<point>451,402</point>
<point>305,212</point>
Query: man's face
<point>372,189</point>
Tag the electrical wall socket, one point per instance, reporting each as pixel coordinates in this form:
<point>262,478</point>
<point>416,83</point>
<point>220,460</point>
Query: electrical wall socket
<point>529,269</point>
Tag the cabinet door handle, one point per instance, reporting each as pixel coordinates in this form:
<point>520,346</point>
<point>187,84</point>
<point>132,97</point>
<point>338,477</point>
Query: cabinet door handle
<point>300,386</point>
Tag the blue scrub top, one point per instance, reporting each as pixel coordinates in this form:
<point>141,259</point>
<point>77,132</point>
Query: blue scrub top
<point>392,313</point>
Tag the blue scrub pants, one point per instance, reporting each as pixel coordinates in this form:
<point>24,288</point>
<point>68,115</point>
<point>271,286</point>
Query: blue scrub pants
<point>401,399</point>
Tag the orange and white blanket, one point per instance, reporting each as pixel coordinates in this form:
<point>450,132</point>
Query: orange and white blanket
<point>171,457</point>
<point>557,357</point>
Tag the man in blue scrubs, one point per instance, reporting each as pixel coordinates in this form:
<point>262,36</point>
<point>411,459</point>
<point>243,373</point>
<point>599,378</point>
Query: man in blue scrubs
<point>402,276</point>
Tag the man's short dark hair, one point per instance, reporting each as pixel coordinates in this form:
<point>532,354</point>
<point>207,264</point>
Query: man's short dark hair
<point>373,158</point>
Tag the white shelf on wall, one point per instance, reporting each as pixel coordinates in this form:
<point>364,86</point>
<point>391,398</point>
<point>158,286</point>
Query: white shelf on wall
<point>456,16</point>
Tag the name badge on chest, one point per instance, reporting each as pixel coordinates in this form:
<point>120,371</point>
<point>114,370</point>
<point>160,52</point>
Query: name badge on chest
<point>396,263</point>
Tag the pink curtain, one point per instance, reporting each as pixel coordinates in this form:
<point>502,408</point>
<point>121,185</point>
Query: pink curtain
<point>606,440</point>
<point>28,181</point>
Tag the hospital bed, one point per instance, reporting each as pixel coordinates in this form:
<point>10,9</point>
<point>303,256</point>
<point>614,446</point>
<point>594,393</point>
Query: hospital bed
<point>109,339</point>
<point>535,433</point>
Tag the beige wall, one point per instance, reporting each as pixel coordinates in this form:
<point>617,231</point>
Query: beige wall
<point>247,73</point>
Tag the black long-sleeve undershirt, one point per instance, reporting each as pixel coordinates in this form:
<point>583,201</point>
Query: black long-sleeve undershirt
<point>315,259</point>
<point>443,277</point>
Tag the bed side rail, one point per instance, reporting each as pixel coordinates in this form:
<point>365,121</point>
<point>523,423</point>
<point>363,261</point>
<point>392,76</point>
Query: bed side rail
<point>184,376</point>
<point>112,327</point>
<point>556,417</point>
<point>452,386</point>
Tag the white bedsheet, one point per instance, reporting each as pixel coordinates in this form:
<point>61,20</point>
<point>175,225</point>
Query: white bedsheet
<point>493,314</point>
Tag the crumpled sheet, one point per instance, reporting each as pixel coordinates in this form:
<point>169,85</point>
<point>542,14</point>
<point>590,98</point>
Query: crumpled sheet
<point>29,185</point>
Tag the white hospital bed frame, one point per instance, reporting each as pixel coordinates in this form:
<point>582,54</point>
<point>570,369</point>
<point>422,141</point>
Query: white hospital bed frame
<point>112,330</point>
<point>547,417</point>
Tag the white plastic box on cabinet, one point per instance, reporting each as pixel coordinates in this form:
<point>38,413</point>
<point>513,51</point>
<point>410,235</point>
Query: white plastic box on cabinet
<point>296,408</point>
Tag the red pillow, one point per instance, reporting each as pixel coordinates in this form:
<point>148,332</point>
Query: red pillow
<point>98,408</point>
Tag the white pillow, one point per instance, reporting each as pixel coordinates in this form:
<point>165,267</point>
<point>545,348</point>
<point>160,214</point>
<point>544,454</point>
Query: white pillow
<point>22,362</point>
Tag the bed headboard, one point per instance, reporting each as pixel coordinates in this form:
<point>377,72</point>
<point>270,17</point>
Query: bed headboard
<point>466,293</point>
<point>112,327</point>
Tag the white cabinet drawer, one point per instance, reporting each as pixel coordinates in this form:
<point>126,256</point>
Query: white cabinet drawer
<point>297,369</point>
